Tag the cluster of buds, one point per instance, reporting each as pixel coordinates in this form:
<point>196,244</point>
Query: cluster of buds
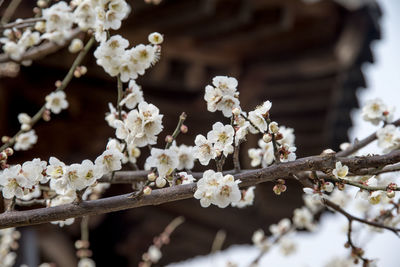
<point>79,71</point>
<point>390,191</point>
<point>154,179</point>
<point>280,187</point>
<point>83,250</point>
<point>4,157</point>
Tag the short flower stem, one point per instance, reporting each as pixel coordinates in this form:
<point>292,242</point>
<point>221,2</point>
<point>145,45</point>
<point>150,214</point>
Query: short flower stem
<point>120,96</point>
<point>177,130</point>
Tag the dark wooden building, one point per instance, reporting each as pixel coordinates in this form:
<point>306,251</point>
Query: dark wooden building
<point>305,58</point>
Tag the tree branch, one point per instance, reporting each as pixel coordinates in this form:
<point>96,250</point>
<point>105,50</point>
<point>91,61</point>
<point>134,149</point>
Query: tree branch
<point>175,193</point>
<point>41,50</point>
<point>362,143</point>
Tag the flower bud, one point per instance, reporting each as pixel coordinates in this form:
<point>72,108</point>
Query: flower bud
<point>3,156</point>
<point>155,38</point>
<point>41,3</point>
<point>58,83</point>
<point>169,139</point>
<point>25,127</point>
<point>147,190</point>
<point>390,194</point>
<point>75,46</point>
<point>5,139</point>
<point>9,151</point>
<point>236,111</point>
<point>160,182</point>
<point>24,118</point>
<point>151,176</point>
<point>328,187</point>
<point>273,127</point>
<point>83,70</point>
<point>184,129</point>
<point>46,115</point>
<point>40,26</point>
<point>267,138</point>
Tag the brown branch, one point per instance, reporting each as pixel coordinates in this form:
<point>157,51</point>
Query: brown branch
<point>362,143</point>
<point>21,24</point>
<point>175,193</point>
<point>354,218</point>
<point>40,51</point>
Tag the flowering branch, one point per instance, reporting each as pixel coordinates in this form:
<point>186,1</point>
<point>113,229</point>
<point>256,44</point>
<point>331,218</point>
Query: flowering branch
<point>177,130</point>
<point>350,217</point>
<point>42,50</point>
<point>63,85</point>
<point>175,193</point>
<point>21,23</point>
<point>362,143</point>
<point>363,186</point>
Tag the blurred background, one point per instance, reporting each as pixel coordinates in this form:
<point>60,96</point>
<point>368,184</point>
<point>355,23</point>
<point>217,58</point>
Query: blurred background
<point>307,57</point>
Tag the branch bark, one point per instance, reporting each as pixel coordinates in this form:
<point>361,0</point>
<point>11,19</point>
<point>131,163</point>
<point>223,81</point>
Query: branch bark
<point>175,193</point>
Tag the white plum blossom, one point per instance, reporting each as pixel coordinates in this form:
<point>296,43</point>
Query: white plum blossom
<point>258,117</point>
<point>185,156</point>
<point>33,171</point>
<point>287,153</point>
<point>56,102</point>
<point>281,228</point>
<point>165,160</point>
<point>59,20</point>
<point>204,150</point>
<point>376,111</point>
<point>340,170</point>
<point>288,136</point>
<point>256,155</point>
<point>313,203</point>
<point>222,95</point>
<point>26,140</point>
<point>75,46</point>
<point>108,54</point>
<point>186,178</point>
<point>134,95</point>
<point>242,128</point>
<point>303,218</point>
<point>215,188</point>
<point>388,138</point>
<point>13,183</point>
<point>247,198</point>
<point>155,38</point>
<point>261,241</point>
<point>222,137</point>
<point>287,246</point>
<point>109,161</point>
<point>263,155</point>
<point>144,124</point>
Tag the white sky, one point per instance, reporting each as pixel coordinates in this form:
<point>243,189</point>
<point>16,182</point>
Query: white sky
<point>383,79</point>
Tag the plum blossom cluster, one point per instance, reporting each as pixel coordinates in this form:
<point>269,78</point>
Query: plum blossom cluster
<point>8,245</point>
<point>219,142</point>
<point>60,20</point>
<point>140,126</point>
<point>265,155</point>
<point>222,95</point>
<point>66,181</point>
<point>217,189</point>
<point>166,161</point>
<point>116,59</point>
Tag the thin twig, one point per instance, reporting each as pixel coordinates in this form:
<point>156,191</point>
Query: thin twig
<point>177,130</point>
<point>336,207</point>
<point>21,23</point>
<point>63,85</point>
<point>362,143</point>
<point>42,50</point>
